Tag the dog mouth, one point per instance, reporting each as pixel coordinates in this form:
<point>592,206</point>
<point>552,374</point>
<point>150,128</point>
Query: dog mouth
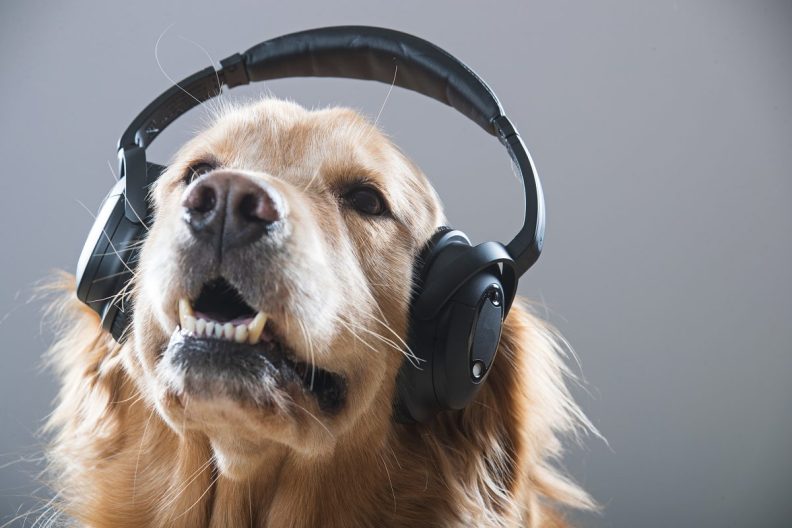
<point>220,312</point>
<point>225,346</point>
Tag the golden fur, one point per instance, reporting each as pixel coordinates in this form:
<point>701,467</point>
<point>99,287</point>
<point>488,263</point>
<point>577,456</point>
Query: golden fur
<point>129,451</point>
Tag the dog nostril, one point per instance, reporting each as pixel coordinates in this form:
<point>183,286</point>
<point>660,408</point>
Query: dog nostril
<point>202,199</point>
<point>258,207</point>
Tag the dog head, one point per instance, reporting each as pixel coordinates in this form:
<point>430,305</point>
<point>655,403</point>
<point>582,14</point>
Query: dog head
<point>273,290</point>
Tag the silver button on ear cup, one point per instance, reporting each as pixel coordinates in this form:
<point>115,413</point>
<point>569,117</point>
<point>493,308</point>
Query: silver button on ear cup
<point>478,369</point>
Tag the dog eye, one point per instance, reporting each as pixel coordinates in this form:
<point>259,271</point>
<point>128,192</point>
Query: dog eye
<point>366,200</point>
<point>197,170</point>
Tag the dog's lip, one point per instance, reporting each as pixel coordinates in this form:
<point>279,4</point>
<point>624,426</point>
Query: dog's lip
<point>212,367</point>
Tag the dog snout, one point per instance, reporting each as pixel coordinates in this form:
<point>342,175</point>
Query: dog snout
<point>227,209</point>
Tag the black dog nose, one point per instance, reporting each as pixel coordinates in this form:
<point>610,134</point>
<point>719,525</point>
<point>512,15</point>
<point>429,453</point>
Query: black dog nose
<point>230,210</point>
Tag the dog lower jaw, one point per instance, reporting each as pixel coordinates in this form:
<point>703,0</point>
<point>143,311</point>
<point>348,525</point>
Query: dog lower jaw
<point>265,376</point>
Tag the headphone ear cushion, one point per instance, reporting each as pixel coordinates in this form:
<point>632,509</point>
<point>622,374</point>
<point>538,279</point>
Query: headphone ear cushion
<point>415,398</point>
<point>425,256</point>
<point>119,323</point>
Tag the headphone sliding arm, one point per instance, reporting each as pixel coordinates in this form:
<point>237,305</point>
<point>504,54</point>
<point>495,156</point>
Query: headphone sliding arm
<point>526,246</point>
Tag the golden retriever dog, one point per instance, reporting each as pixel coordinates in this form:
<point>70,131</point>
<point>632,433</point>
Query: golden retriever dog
<point>294,231</point>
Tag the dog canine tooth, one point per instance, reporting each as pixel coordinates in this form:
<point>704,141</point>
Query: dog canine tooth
<point>185,310</point>
<point>228,331</point>
<point>255,327</point>
<point>241,333</point>
<point>188,324</point>
<point>200,326</point>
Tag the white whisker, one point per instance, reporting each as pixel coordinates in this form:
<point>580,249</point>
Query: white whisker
<point>159,64</point>
<point>211,61</point>
<point>211,484</point>
<point>140,451</point>
<point>387,96</point>
<point>408,353</point>
<point>194,475</point>
<point>312,415</point>
<point>393,493</point>
<point>109,240</point>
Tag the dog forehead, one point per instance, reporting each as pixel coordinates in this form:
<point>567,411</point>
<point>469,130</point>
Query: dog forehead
<point>284,139</point>
<point>283,130</point>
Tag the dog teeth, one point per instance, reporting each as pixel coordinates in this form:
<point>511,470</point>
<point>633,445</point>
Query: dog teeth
<point>241,333</point>
<point>185,309</point>
<point>255,327</point>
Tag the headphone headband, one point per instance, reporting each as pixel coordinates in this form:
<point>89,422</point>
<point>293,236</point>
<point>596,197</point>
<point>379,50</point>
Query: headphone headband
<point>356,52</point>
<point>374,54</point>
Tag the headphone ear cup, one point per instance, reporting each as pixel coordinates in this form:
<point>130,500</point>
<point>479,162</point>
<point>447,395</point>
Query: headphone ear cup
<point>453,349</point>
<point>108,257</point>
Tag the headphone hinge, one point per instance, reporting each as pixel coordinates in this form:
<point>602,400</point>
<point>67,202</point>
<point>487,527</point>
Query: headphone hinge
<point>132,166</point>
<point>234,71</point>
<point>504,128</point>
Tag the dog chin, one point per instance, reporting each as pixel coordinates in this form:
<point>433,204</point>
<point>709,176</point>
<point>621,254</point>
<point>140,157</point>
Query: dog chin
<point>238,460</point>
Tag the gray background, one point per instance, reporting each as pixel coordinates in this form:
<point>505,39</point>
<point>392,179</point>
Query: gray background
<point>663,134</point>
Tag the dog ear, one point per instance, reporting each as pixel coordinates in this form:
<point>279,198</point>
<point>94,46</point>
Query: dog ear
<point>82,348</point>
<point>83,353</point>
<point>98,419</point>
<point>88,363</point>
<point>518,417</point>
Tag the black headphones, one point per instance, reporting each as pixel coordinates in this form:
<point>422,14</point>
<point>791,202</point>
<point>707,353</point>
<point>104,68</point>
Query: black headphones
<point>462,292</point>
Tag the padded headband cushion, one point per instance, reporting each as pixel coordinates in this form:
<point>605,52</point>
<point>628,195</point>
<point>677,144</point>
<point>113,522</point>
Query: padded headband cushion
<point>376,54</point>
